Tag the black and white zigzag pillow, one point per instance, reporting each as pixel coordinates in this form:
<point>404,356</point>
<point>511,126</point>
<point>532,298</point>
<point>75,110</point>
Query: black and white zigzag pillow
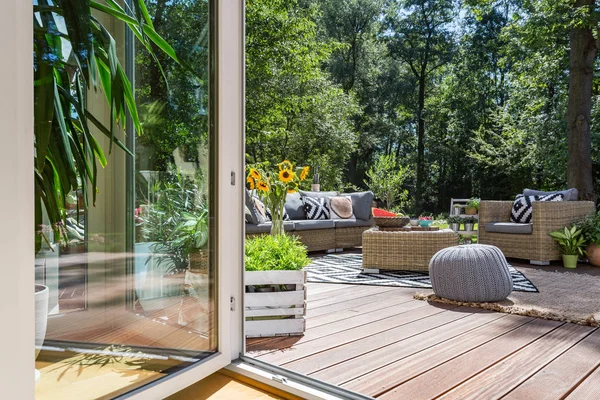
<point>316,207</point>
<point>522,209</point>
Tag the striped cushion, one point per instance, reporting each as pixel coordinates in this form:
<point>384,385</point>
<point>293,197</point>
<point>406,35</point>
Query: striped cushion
<point>522,209</point>
<point>316,208</point>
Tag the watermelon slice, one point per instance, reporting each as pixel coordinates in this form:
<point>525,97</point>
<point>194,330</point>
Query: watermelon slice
<point>378,212</point>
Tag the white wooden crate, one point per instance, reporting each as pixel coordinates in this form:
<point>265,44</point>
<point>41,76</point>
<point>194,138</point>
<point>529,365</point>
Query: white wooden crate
<point>279,313</point>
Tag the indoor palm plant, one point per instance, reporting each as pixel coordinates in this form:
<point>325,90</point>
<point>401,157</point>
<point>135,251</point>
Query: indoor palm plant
<point>571,244</point>
<point>75,52</point>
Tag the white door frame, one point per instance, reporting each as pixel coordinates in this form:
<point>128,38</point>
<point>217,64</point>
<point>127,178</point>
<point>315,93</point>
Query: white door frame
<point>17,202</point>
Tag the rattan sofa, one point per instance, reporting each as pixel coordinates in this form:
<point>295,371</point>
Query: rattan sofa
<point>533,243</point>
<point>320,235</point>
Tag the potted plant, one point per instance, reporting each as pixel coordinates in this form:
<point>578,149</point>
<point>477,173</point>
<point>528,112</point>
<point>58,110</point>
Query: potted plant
<point>590,230</point>
<point>469,223</point>
<point>275,286</point>
<point>457,209</point>
<point>454,221</point>
<point>472,206</point>
<point>571,244</point>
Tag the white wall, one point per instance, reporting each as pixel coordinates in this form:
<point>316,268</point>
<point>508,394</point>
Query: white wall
<point>16,201</point>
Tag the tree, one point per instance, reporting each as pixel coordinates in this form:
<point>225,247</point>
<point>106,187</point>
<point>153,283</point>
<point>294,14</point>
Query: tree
<point>420,36</point>
<point>385,179</point>
<point>583,49</point>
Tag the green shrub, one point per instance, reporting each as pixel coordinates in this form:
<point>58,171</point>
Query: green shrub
<point>281,252</point>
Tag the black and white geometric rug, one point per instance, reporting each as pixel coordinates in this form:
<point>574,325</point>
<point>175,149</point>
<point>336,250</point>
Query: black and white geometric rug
<point>347,268</point>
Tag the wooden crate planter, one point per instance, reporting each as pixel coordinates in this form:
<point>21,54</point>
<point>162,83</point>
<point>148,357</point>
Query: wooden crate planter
<point>276,313</point>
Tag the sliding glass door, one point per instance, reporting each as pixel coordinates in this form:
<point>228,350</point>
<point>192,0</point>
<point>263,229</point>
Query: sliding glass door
<point>132,280</point>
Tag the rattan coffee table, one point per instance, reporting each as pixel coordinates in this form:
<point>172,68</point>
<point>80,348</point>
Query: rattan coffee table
<point>403,250</point>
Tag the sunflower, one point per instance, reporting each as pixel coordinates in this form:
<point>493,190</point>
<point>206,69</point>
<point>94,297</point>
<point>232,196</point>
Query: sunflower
<point>251,183</point>
<point>262,186</point>
<point>286,175</point>
<point>285,164</point>
<point>255,174</point>
<point>304,173</point>
<point>291,191</point>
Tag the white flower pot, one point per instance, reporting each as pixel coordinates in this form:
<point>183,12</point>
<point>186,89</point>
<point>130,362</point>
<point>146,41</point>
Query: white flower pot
<point>42,294</point>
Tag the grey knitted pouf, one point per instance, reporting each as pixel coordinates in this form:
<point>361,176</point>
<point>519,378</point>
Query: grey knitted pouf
<point>473,273</point>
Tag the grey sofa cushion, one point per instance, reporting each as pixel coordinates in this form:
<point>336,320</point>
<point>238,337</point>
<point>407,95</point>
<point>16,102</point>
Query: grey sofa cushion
<point>250,206</point>
<point>317,194</point>
<point>266,227</point>
<point>294,207</point>
<point>352,222</point>
<point>362,203</point>
<point>509,227</point>
<point>569,194</point>
<point>314,224</point>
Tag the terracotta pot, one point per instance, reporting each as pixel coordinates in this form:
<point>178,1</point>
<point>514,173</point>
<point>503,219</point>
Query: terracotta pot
<point>471,210</point>
<point>593,256</point>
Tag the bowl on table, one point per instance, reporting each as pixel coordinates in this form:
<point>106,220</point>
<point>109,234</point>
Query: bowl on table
<point>414,222</point>
<point>425,223</point>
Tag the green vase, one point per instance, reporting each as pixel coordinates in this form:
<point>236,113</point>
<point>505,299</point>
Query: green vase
<point>570,261</point>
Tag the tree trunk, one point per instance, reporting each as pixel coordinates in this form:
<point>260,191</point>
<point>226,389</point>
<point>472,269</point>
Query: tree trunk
<point>420,147</point>
<point>581,68</point>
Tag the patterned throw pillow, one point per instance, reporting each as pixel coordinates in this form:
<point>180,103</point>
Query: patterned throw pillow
<point>522,209</point>
<point>316,207</point>
<point>265,212</point>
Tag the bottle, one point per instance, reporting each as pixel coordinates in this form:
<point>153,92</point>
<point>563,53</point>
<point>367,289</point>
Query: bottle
<point>315,187</point>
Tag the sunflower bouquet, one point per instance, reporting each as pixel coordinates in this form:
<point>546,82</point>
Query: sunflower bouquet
<point>273,186</point>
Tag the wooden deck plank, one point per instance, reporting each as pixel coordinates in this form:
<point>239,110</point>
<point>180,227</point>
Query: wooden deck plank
<point>392,299</point>
<point>529,360</point>
<point>452,373</point>
<point>337,339</point>
<point>348,294</point>
<point>589,389</point>
<point>376,297</point>
<point>381,341</point>
<point>372,360</point>
<point>387,376</point>
<point>279,344</point>
<point>325,293</point>
<point>562,375</point>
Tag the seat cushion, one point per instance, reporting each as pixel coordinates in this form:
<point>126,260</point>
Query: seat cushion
<point>509,227</point>
<point>304,193</point>
<point>361,204</point>
<point>253,213</point>
<point>294,207</point>
<point>311,225</point>
<point>352,223</point>
<point>569,194</point>
<point>266,227</point>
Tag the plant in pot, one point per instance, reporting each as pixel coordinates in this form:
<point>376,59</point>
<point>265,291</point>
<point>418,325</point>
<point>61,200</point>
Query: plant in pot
<point>469,223</point>
<point>571,244</point>
<point>275,285</point>
<point>590,230</point>
<point>457,209</point>
<point>472,206</point>
<point>67,63</point>
<point>454,222</point>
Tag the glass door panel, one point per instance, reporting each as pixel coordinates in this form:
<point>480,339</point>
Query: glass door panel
<point>127,284</point>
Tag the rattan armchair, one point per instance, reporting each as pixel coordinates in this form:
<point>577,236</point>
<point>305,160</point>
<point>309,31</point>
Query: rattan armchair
<point>537,247</point>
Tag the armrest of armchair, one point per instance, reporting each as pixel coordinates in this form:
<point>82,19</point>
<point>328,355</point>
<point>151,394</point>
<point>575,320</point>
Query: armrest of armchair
<point>494,211</point>
<point>549,216</point>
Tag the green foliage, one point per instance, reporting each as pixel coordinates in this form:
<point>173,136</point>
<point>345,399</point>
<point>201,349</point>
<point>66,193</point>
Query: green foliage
<point>455,219</point>
<point>473,203</point>
<point>590,228</point>
<point>281,252</point>
<point>570,240</point>
<point>293,109</point>
<point>386,178</point>
<point>73,52</point>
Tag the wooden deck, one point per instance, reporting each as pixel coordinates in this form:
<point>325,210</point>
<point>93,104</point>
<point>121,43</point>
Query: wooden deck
<point>380,342</point>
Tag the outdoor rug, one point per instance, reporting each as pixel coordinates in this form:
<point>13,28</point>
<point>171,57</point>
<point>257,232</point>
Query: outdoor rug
<point>347,268</point>
<point>569,296</point>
